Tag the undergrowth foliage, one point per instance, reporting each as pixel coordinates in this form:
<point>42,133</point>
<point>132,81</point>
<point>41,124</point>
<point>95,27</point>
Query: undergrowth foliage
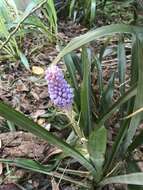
<point>14,25</point>
<point>87,142</point>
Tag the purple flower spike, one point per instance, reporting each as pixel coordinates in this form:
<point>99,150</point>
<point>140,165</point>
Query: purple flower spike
<point>60,92</point>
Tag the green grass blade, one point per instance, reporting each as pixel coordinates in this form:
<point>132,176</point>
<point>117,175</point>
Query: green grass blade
<point>27,124</point>
<point>86,93</point>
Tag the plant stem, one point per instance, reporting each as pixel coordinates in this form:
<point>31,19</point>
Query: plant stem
<point>76,128</point>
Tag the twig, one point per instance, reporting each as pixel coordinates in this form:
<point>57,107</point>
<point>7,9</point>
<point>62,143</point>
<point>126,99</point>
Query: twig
<point>22,20</point>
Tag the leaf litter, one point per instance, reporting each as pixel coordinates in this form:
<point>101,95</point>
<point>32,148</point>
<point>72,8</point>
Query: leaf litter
<point>27,92</point>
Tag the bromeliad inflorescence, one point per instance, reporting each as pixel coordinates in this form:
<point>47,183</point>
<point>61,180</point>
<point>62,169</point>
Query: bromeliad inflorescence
<point>60,92</point>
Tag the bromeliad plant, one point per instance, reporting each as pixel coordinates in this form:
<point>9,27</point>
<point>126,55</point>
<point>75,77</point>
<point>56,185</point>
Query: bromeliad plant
<point>87,142</point>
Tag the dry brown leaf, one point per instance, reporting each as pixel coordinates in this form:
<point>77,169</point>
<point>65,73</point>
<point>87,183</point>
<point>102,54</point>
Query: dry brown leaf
<point>20,86</point>
<point>41,121</point>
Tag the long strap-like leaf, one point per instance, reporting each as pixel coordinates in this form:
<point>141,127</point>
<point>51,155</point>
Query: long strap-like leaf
<point>96,34</point>
<point>133,179</point>
<point>27,124</point>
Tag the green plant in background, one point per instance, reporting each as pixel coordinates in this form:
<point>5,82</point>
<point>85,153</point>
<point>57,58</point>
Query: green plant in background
<point>14,24</point>
<point>95,12</point>
<point>80,11</point>
<point>103,165</point>
<point>46,24</point>
<point>11,49</point>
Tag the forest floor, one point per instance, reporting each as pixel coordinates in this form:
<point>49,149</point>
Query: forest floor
<point>27,92</point>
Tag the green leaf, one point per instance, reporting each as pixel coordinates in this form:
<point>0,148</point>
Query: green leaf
<point>132,167</point>
<point>27,124</point>
<point>11,126</point>
<point>135,121</point>
<point>24,60</point>
<point>99,74</point>
<point>37,167</point>
<point>72,4</point>
<point>49,12</point>
<point>106,100</point>
<point>92,11</point>
<point>134,65</point>
<point>121,65</point>
<point>110,163</point>
<point>77,63</point>
<point>137,141</point>
<point>96,34</point>
<point>112,155</point>
<point>4,12</point>
<point>30,6</point>
<point>103,51</point>
<point>72,72</point>
<point>86,93</point>
<point>97,147</point>
<point>131,93</point>
<point>133,179</point>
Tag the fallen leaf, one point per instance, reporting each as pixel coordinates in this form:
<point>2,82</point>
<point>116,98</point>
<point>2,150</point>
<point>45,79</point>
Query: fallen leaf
<point>37,70</point>
<point>41,121</point>
<point>20,86</point>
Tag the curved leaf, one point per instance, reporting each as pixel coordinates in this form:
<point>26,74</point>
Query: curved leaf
<point>24,122</point>
<point>86,93</point>
<point>95,34</point>
<point>37,167</point>
<point>133,179</point>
